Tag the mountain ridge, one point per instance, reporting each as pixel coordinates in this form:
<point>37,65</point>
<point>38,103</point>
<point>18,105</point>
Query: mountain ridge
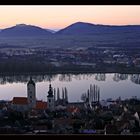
<point>79,34</point>
<point>82,28</point>
<point>24,30</point>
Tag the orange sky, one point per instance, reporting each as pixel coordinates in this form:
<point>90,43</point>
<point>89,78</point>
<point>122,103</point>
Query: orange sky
<point>56,17</point>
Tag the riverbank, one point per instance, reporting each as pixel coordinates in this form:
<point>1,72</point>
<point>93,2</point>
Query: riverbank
<point>69,72</point>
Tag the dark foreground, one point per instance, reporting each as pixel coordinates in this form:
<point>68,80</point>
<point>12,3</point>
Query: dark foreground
<point>120,118</point>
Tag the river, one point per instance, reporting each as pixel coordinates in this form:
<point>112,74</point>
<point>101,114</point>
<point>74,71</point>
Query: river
<point>112,85</point>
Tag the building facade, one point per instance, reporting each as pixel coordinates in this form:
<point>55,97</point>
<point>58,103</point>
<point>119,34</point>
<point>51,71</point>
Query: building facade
<point>31,93</point>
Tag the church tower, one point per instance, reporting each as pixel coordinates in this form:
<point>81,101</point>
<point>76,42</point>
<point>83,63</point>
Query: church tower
<point>31,93</point>
<point>50,99</point>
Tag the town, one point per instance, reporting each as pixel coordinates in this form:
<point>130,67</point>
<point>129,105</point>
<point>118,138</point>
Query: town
<point>90,59</point>
<point>69,70</point>
<point>27,115</point>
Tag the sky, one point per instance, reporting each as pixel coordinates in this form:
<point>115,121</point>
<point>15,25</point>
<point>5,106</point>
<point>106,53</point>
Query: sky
<point>58,17</point>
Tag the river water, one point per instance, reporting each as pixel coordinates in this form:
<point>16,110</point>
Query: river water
<point>112,85</point>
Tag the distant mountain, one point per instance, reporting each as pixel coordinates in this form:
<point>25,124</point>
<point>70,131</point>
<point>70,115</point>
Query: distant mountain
<point>24,30</point>
<point>78,28</point>
<point>82,28</point>
<point>79,34</point>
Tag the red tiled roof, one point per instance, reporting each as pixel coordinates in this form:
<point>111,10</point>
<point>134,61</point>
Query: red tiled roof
<point>20,100</point>
<point>24,101</point>
<point>41,105</point>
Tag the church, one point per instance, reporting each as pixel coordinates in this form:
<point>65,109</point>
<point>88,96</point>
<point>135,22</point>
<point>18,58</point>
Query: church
<point>29,102</point>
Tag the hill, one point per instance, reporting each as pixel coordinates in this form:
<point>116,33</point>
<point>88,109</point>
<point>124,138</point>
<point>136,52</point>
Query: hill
<point>21,30</point>
<point>77,35</point>
<point>82,28</point>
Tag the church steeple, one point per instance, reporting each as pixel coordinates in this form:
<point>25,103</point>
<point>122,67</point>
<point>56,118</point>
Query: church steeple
<point>50,98</point>
<point>31,82</point>
<point>31,93</point>
<point>50,92</point>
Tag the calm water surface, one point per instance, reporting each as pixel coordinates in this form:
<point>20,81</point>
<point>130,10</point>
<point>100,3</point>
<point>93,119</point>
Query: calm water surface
<point>111,85</point>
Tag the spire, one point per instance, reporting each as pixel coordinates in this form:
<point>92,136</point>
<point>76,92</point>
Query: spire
<point>50,92</point>
<point>31,81</point>
<point>66,94</point>
<point>50,87</point>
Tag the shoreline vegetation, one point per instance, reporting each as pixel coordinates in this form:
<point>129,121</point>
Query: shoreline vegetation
<point>69,72</point>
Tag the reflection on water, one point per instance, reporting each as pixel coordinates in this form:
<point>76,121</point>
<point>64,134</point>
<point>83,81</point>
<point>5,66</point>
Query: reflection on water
<point>65,77</point>
<point>100,77</point>
<point>135,78</point>
<point>25,78</point>
<point>111,85</point>
<point>118,77</point>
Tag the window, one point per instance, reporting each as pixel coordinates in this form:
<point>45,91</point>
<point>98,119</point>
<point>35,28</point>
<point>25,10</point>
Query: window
<point>49,100</point>
<point>31,97</point>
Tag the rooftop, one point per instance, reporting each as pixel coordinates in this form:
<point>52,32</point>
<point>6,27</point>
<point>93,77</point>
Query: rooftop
<point>41,105</point>
<point>24,101</point>
<point>20,100</point>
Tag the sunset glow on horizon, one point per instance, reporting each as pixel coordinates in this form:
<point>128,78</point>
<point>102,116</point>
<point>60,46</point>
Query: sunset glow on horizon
<point>57,17</point>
